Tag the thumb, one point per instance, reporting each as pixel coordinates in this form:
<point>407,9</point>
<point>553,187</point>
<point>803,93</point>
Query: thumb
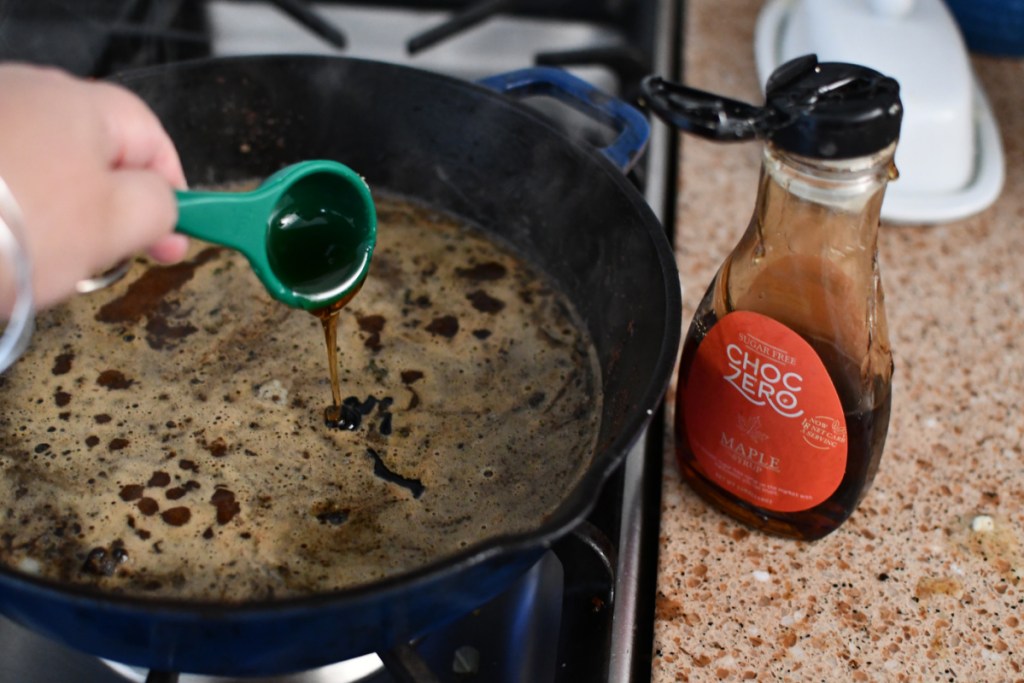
<point>142,211</point>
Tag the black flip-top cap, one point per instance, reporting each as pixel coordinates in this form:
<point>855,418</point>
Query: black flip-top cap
<point>825,110</point>
<point>832,110</point>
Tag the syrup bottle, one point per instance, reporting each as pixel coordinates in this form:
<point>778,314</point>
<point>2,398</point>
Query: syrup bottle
<point>784,384</point>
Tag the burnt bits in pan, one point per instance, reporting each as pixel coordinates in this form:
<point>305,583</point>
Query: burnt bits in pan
<point>180,413</point>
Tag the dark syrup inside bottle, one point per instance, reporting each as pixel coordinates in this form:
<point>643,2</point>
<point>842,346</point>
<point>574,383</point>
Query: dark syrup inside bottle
<point>866,406</point>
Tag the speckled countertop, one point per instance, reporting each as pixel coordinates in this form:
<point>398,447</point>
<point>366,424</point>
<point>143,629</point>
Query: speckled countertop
<point>906,590</point>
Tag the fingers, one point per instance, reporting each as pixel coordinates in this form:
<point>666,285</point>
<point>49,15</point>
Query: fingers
<point>169,248</point>
<point>134,212</point>
<point>142,213</point>
<point>138,139</point>
<point>140,143</point>
<point>93,170</point>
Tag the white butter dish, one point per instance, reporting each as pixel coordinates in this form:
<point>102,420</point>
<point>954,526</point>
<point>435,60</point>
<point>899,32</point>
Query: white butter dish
<point>950,155</point>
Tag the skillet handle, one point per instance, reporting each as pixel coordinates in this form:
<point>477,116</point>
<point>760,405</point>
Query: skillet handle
<point>632,129</point>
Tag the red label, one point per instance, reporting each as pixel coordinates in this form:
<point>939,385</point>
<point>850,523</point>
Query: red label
<point>763,418</point>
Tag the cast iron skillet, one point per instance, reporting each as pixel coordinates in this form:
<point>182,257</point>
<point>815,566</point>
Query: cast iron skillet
<point>466,149</point>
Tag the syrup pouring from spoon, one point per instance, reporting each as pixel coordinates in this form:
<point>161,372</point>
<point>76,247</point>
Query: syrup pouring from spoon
<point>308,231</point>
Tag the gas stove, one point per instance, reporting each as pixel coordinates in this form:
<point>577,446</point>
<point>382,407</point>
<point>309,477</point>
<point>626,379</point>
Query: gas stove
<point>584,612</point>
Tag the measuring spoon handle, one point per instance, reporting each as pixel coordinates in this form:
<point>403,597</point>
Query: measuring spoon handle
<point>225,218</point>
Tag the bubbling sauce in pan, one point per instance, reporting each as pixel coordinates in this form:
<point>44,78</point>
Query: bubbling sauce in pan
<point>165,437</point>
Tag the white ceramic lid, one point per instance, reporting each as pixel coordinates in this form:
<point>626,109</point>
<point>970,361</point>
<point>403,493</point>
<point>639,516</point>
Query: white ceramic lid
<point>949,155</point>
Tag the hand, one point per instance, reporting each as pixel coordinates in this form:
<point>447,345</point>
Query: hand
<point>93,172</point>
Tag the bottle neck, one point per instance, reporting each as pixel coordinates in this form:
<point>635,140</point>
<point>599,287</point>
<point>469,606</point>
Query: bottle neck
<point>809,256</point>
<point>819,201</point>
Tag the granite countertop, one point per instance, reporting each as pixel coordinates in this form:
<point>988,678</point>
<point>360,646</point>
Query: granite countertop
<point>924,582</point>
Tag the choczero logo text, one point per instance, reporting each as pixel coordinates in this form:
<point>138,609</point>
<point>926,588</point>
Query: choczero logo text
<point>754,370</point>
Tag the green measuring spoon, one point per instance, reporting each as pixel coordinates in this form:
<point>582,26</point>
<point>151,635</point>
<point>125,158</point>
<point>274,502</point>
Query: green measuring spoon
<point>308,231</point>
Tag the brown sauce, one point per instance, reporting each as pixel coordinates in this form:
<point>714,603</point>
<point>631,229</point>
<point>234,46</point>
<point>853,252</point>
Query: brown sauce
<point>165,437</point>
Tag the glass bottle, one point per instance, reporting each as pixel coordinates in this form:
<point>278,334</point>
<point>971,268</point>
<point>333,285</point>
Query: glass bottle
<point>784,385</point>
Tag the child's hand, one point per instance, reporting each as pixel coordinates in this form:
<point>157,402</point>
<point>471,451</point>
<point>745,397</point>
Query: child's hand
<point>93,172</point>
